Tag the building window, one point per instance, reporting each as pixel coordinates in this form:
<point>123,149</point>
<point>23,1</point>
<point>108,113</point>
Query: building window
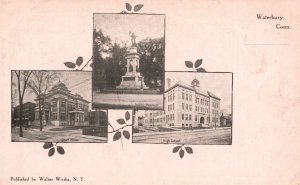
<point>187,107</point>
<point>54,116</point>
<point>182,116</point>
<point>186,116</point>
<point>62,116</point>
<point>190,97</point>
<point>190,107</point>
<point>183,96</point>
<point>190,117</point>
<point>182,106</point>
<point>195,117</point>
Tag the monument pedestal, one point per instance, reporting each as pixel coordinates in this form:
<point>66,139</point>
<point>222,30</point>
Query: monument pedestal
<point>133,78</point>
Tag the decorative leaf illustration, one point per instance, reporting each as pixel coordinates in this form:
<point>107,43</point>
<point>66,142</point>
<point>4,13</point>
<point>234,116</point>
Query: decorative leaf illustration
<point>181,153</point>
<point>79,61</point>
<point>127,115</point>
<point>198,63</point>
<point>189,149</point>
<point>201,69</point>
<point>70,64</point>
<point>126,134</point>
<point>124,11</point>
<point>60,150</point>
<point>117,136</point>
<point>48,145</point>
<point>138,7</point>
<point>51,152</point>
<point>121,121</point>
<point>176,148</point>
<point>189,64</point>
<point>128,7</point>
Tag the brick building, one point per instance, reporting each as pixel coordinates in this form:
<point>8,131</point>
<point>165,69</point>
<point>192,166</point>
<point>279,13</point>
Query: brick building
<point>28,113</point>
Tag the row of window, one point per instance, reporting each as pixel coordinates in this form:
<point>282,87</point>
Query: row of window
<point>70,106</point>
<point>171,107</point>
<point>171,97</point>
<point>201,109</point>
<point>170,117</point>
<point>215,104</point>
<point>202,101</point>
<point>186,96</point>
<point>186,117</point>
<point>186,107</point>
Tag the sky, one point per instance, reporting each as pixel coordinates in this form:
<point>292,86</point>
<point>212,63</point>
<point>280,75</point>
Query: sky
<point>76,82</point>
<point>219,84</point>
<point>118,26</point>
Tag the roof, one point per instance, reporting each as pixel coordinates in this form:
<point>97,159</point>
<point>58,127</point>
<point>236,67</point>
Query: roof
<point>27,103</point>
<point>62,88</point>
<point>184,85</point>
<point>59,86</point>
<point>213,96</point>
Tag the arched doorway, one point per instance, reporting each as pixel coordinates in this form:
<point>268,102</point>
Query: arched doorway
<point>202,120</point>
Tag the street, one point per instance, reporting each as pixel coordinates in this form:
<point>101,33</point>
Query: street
<point>55,136</point>
<point>220,136</point>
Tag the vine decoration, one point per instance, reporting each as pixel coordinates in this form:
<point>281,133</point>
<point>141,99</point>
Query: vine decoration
<point>181,149</point>
<point>129,8</point>
<point>195,66</point>
<point>121,130</point>
<point>76,65</point>
<point>52,147</point>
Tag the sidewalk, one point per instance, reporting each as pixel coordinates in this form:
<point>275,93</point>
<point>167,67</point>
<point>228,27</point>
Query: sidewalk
<point>181,131</point>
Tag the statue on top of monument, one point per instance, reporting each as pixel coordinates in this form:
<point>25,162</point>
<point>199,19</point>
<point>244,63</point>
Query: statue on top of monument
<point>133,37</point>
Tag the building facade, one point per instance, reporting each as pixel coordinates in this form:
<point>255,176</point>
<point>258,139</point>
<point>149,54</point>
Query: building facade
<point>62,108</point>
<point>186,106</point>
<point>28,113</point>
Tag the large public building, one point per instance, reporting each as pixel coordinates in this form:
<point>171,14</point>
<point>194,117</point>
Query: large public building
<point>185,106</point>
<point>62,108</point>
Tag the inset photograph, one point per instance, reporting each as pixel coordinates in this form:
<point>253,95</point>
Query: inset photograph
<point>128,63</point>
<point>197,111</point>
<point>55,106</point>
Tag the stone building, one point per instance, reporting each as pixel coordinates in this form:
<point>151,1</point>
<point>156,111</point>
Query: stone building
<point>186,106</point>
<point>62,108</point>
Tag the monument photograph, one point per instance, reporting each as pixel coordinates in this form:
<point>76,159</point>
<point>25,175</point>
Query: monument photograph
<point>128,61</point>
<point>197,110</point>
<point>55,106</point>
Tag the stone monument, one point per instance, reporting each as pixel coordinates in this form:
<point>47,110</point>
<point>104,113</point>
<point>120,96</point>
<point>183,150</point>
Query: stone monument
<point>133,78</point>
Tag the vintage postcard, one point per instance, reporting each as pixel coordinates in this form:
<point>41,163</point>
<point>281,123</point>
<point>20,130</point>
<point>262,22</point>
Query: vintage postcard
<point>150,92</point>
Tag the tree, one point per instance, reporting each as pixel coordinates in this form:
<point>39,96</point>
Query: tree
<point>39,83</point>
<point>152,61</point>
<point>22,81</point>
<point>101,47</point>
